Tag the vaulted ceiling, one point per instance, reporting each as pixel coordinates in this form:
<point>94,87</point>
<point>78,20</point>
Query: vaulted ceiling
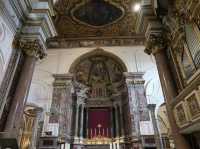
<point>93,19</point>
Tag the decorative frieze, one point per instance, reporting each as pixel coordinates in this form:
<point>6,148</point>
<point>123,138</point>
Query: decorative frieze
<point>93,42</point>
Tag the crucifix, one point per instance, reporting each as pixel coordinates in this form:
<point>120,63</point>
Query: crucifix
<point>99,127</point>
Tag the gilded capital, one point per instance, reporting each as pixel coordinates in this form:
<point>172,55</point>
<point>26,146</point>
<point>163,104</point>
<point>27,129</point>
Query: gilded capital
<point>31,47</point>
<point>154,44</point>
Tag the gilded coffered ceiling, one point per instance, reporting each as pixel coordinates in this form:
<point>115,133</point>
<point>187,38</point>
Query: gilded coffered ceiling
<point>94,19</point>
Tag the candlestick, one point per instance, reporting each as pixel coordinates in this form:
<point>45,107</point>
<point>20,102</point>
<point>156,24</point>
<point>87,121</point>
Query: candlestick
<point>91,133</point>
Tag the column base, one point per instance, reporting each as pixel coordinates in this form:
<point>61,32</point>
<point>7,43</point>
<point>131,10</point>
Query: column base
<point>78,140</point>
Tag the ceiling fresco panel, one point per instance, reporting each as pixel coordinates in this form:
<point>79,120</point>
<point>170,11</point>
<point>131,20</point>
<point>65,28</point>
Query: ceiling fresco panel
<point>86,19</point>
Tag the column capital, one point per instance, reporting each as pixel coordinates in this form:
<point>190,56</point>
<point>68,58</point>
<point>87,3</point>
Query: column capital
<point>31,47</point>
<point>63,80</point>
<point>155,43</point>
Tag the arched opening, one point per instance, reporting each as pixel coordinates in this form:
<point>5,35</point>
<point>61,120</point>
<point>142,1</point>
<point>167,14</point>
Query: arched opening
<point>100,90</point>
<point>99,52</point>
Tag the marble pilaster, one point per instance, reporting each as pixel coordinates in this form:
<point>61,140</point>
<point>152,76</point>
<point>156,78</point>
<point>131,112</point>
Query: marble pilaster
<point>156,46</point>
<point>62,104</point>
<point>133,81</point>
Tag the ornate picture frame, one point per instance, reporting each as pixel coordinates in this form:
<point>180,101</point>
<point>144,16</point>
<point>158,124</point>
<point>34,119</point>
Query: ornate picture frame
<point>193,105</point>
<point>180,114</point>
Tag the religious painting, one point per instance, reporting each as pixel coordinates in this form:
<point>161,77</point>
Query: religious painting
<point>180,112</point>
<point>101,74</point>
<point>193,105</point>
<point>97,13</point>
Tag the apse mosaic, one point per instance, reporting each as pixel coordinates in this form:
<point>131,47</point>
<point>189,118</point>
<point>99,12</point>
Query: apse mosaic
<point>102,74</point>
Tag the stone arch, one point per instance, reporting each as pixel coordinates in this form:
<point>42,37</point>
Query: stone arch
<point>100,73</point>
<point>100,52</point>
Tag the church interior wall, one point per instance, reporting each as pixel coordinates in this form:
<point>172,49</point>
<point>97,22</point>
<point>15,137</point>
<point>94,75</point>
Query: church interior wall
<point>59,61</point>
<point>180,78</point>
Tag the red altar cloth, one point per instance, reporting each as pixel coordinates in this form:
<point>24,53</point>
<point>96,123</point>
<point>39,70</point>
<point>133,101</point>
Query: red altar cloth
<point>99,122</point>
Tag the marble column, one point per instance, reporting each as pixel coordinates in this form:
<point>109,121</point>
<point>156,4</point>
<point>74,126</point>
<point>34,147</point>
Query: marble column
<point>32,50</point>
<point>117,122</point>
<point>82,121</point>
<point>121,121</point>
<point>82,94</point>
<point>113,125</point>
<point>156,46</point>
<point>86,121</point>
<point>77,122</point>
<point>152,108</point>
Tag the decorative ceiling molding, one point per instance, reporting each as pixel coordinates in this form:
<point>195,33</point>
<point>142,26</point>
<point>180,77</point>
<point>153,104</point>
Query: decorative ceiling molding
<point>73,32</point>
<point>97,13</point>
<point>95,42</point>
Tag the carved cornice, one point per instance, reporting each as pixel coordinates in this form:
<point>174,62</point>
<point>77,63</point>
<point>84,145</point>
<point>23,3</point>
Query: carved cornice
<point>134,78</point>
<point>63,80</point>
<point>31,47</point>
<point>67,27</point>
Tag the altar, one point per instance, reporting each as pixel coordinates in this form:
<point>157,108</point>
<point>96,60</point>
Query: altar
<point>95,146</point>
